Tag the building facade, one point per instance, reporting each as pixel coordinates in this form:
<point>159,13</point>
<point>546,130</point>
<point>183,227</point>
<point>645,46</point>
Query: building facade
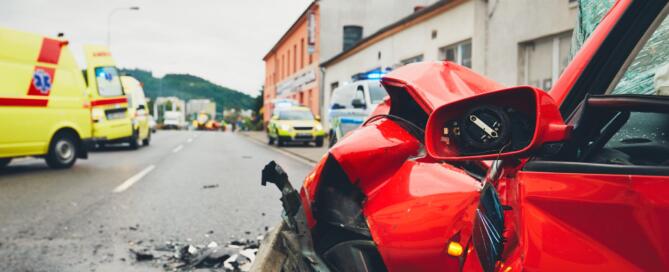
<point>324,29</point>
<point>513,42</point>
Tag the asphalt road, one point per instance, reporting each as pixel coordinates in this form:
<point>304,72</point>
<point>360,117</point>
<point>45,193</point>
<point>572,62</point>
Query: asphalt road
<point>87,217</point>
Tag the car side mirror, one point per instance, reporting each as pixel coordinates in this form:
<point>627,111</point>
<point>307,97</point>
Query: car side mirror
<point>499,124</point>
<point>317,118</point>
<point>141,107</point>
<point>358,104</point>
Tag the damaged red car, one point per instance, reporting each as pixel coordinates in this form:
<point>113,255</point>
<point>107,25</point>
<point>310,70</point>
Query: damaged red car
<point>458,173</point>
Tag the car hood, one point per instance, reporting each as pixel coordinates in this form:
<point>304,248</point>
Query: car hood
<point>432,84</point>
<point>298,123</point>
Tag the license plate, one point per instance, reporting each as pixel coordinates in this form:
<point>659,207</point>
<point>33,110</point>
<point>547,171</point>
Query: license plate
<point>115,115</point>
<point>303,135</point>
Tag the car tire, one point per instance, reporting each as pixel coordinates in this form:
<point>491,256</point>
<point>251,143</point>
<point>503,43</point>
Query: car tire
<point>4,162</point>
<point>135,142</point>
<point>319,142</point>
<point>63,151</point>
<point>147,141</point>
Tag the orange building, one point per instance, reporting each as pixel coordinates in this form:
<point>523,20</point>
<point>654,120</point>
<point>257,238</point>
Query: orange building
<point>292,65</point>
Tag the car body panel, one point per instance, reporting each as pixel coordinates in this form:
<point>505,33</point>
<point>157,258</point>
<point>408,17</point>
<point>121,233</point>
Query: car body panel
<point>42,91</point>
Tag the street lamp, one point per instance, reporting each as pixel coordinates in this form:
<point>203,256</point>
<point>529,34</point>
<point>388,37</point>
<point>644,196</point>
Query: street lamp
<point>109,21</point>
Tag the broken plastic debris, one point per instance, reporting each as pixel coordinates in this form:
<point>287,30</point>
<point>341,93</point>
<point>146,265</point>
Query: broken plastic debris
<point>211,186</point>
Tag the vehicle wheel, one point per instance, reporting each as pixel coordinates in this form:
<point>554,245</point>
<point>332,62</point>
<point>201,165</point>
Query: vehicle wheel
<point>147,141</point>
<point>4,162</point>
<point>332,140</point>
<point>319,142</point>
<point>63,151</point>
<point>135,142</point>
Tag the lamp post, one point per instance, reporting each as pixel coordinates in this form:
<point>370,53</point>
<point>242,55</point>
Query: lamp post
<point>109,17</point>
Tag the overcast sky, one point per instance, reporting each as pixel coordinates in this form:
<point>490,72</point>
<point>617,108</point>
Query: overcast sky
<point>220,40</point>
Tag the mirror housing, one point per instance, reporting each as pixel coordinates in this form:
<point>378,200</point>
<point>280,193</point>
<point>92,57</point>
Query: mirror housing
<point>499,124</point>
<point>358,104</point>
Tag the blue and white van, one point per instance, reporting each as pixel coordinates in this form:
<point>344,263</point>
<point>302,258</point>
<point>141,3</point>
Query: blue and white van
<point>351,104</point>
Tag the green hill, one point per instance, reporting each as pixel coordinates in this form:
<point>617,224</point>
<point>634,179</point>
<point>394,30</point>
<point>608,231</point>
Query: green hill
<point>188,87</point>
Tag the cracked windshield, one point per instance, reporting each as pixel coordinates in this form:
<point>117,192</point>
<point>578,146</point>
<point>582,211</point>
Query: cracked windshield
<point>334,135</point>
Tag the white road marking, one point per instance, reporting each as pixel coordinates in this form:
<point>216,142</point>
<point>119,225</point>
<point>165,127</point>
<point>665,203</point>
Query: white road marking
<point>134,179</point>
<point>178,148</point>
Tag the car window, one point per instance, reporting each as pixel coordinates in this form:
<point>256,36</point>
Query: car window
<point>376,92</point>
<point>342,97</point>
<point>648,73</point>
<point>108,81</point>
<point>359,94</point>
<point>295,115</point>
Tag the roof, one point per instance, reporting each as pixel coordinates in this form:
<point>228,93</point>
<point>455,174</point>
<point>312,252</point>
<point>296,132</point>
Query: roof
<point>290,30</point>
<point>415,18</point>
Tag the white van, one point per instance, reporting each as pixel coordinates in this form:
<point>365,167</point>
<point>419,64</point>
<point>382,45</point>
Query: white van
<point>351,104</point>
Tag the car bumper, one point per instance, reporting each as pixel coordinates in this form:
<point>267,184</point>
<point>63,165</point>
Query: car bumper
<point>298,136</point>
<point>112,130</point>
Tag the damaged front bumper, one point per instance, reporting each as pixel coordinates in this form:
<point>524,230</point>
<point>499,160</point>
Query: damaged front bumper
<point>338,242</point>
<point>288,247</point>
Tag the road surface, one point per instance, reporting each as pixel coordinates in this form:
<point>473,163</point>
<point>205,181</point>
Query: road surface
<point>191,187</point>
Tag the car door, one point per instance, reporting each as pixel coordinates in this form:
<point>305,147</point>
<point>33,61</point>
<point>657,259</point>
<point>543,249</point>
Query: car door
<point>599,202</point>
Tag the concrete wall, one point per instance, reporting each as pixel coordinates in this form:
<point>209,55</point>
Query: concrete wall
<point>372,15</point>
<point>453,26</point>
<point>512,22</point>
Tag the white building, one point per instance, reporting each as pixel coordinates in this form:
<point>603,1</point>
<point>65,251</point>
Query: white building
<point>195,106</point>
<point>513,42</point>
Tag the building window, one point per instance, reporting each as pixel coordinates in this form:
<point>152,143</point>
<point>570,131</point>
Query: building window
<point>352,34</point>
<point>460,53</point>
<point>542,61</point>
<point>294,58</point>
<point>302,54</point>
<point>412,59</point>
<point>302,98</point>
<point>288,63</point>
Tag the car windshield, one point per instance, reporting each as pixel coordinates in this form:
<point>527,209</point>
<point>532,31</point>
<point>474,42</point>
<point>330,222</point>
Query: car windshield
<point>109,83</point>
<point>377,93</point>
<point>648,73</point>
<point>295,115</point>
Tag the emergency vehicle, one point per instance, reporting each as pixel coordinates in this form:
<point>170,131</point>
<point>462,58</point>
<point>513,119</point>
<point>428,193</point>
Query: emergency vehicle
<point>138,109</point>
<point>44,108</point>
<point>111,121</point>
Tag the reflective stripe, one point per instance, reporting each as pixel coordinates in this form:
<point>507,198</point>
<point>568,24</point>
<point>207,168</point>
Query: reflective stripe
<point>23,102</point>
<point>102,102</point>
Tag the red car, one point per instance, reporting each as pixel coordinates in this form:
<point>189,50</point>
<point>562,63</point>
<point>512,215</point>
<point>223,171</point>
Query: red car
<point>456,172</point>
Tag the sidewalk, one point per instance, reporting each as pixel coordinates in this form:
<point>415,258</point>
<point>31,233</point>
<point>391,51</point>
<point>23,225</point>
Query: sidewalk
<point>310,153</point>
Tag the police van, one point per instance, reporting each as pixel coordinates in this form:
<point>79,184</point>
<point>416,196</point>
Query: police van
<point>44,107</point>
<point>112,122</point>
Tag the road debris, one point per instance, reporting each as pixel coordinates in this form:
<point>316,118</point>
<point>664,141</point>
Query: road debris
<point>236,255</point>
<point>210,186</point>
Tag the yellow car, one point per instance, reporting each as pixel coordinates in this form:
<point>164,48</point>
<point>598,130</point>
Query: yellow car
<point>294,124</point>
<point>138,109</point>
<point>111,121</point>
<point>44,108</point>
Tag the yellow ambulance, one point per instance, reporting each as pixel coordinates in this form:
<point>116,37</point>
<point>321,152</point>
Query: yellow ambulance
<point>138,109</point>
<point>111,121</point>
<point>44,107</point>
